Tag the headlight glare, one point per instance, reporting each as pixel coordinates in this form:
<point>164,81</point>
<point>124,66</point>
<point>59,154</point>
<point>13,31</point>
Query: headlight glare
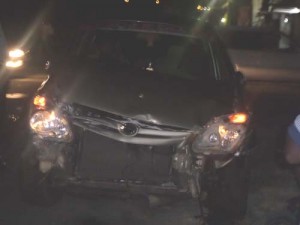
<point>14,63</point>
<point>50,125</point>
<point>16,53</point>
<point>219,136</point>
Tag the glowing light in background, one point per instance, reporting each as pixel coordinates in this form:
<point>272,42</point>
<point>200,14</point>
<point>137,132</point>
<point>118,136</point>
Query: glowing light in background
<point>203,8</point>
<point>286,20</point>
<point>126,1</point>
<point>14,64</point>
<point>157,2</point>
<point>16,53</point>
<point>294,10</point>
<point>223,20</point>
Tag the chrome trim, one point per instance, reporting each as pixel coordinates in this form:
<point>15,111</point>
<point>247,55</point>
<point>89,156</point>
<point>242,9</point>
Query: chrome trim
<point>107,125</point>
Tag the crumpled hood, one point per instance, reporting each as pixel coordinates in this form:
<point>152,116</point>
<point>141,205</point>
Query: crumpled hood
<point>141,95</point>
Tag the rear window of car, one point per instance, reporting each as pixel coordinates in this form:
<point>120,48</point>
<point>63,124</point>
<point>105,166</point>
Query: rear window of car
<point>170,55</point>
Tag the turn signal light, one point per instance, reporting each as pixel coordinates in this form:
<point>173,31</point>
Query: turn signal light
<point>39,101</point>
<point>238,118</point>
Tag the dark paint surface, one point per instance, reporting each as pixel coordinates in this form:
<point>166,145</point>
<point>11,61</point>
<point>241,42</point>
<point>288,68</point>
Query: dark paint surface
<point>141,94</point>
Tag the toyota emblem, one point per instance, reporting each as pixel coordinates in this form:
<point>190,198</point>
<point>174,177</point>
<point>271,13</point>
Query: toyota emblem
<point>128,129</point>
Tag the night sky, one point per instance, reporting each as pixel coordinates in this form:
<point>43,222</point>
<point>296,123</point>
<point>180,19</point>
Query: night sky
<point>17,16</point>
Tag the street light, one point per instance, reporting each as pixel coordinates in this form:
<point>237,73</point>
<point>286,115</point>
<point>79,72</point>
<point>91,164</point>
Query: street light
<point>203,8</point>
<point>286,20</point>
<point>293,10</point>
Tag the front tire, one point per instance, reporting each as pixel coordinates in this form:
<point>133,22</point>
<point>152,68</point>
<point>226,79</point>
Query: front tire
<point>37,187</point>
<point>227,198</point>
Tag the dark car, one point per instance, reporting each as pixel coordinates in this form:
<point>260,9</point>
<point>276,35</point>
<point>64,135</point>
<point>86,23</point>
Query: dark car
<point>142,107</point>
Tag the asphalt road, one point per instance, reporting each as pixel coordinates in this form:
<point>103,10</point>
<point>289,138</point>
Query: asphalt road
<point>272,184</point>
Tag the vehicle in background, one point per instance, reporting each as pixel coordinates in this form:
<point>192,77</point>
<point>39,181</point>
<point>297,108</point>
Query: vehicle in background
<point>27,56</point>
<point>142,107</point>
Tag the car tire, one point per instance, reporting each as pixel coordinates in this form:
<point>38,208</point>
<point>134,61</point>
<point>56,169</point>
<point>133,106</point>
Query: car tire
<point>228,196</point>
<point>36,187</point>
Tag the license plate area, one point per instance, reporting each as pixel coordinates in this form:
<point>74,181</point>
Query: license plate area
<point>110,160</point>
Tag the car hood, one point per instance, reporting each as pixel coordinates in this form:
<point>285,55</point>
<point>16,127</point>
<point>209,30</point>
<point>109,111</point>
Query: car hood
<point>142,95</point>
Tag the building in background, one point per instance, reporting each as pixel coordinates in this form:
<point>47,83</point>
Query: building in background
<point>281,15</point>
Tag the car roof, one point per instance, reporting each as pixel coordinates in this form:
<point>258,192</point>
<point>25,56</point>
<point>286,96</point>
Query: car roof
<point>150,26</point>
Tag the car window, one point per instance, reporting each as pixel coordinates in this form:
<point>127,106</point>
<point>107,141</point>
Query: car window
<point>224,66</point>
<point>170,55</point>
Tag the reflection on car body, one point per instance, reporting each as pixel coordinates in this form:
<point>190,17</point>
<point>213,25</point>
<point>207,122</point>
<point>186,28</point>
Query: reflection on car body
<point>141,107</point>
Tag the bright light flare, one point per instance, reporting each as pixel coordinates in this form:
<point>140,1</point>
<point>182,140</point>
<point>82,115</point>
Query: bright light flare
<point>203,8</point>
<point>223,20</point>
<point>14,64</point>
<point>39,101</point>
<point>238,118</point>
<point>293,10</point>
<point>16,53</point>
<point>50,125</point>
<point>157,2</point>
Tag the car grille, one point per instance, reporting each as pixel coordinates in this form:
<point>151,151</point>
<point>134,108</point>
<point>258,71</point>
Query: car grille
<point>108,155</point>
<point>106,159</point>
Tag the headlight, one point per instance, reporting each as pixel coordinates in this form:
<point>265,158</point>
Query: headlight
<point>16,53</point>
<point>14,63</point>
<point>222,135</point>
<point>15,59</point>
<point>50,125</point>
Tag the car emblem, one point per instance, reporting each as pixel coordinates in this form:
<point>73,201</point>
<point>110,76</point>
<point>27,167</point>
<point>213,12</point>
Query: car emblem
<point>128,129</point>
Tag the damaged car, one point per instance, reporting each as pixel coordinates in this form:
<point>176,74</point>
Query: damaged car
<point>142,107</point>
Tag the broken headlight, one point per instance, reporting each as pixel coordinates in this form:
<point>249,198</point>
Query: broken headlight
<point>50,125</point>
<point>222,135</point>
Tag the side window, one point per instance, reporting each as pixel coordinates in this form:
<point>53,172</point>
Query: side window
<point>225,71</point>
<point>224,66</point>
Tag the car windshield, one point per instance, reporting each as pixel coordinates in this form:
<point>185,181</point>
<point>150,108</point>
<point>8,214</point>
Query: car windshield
<point>172,55</point>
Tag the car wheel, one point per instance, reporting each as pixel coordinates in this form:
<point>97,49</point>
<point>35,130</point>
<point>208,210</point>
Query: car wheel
<point>227,197</point>
<point>37,187</point>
